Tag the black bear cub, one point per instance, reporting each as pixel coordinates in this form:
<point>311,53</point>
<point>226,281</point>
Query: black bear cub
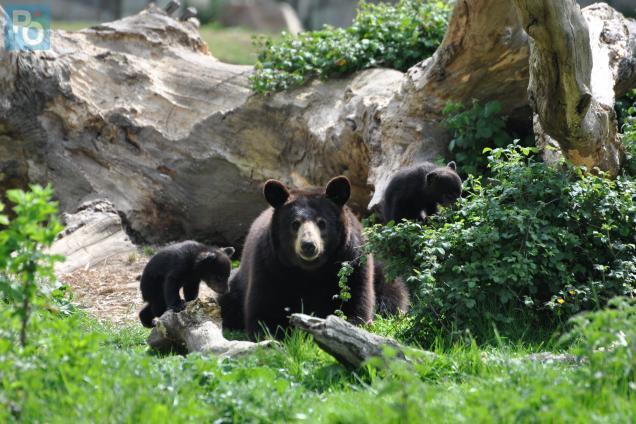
<point>414,193</point>
<point>291,258</point>
<point>184,265</point>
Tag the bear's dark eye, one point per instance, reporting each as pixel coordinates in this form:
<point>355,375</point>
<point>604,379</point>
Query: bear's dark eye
<point>322,224</point>
<point>296,224</point>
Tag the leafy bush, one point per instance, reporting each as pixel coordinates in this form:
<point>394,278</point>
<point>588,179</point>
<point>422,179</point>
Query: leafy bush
<point>534,246</point>
<point>23,260</point>
<point>394,36</point>
<point>473,129</point>
<point>629,141</point>
<point>626,108</point>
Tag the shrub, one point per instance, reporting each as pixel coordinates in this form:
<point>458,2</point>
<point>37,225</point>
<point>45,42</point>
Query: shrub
<point>629,141</point>
<point>394,36</point>
<point>23,259</point>
<point>534,246</point>
<point>626,108</point>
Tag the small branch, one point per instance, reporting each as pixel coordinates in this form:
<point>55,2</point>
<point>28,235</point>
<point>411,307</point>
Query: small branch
<point>197,329</point>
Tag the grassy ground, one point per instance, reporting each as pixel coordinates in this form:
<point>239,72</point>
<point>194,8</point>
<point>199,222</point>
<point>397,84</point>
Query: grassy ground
<point>231,45</point>
<point>77,370</point>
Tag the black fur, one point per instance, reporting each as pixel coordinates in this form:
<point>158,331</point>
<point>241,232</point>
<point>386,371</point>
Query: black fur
<point>392,298</point>
<point>273,281</point>
<point>184,265</point>
<point>415,192</point>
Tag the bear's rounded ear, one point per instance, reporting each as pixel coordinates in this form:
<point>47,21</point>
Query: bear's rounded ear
<point>229,251</point>
<point>275,193</point>
<point>452,165</point>
<point>431,177</point>
<point>338,190</point>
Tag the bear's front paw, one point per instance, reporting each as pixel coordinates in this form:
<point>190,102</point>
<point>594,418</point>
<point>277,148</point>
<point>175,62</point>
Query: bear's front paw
<point>178,307</point>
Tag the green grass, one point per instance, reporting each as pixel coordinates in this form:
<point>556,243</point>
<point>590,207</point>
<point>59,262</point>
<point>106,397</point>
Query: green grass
<point>78,370</point>
<point>230,45</point>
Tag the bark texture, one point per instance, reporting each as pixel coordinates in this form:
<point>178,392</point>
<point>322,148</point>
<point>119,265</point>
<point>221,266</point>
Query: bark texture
<point>579,61</point>
<point>94,233</point>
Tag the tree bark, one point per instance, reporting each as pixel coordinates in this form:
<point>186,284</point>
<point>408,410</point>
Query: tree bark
<point>577,62</point>
<point>197,329</point>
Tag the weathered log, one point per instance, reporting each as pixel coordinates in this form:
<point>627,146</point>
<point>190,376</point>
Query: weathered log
<point>197,329</point>
<point>577,61</point>
<point>92,234</point>
<point>354,346</point>
<point>351,345</point>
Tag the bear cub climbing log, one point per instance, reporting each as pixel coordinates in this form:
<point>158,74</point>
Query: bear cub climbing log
<point>184,265</point>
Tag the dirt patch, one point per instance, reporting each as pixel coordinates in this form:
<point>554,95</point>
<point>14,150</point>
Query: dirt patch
<point>109,290</point>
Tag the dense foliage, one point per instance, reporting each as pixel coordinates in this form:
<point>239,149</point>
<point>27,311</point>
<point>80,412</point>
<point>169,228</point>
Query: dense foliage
<point>395,36</point>
<point>24,263</point>
<point>626,108</point>
<point>473,129</point>
<point>628,119</point>
<point>527,250</point>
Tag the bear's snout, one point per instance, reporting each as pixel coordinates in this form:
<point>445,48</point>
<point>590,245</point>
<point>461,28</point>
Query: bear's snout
<point>309,244</point>
<point>308,248</point>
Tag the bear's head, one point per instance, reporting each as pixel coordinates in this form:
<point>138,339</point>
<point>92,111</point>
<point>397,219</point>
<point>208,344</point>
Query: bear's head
<point>443,184</point>
<point>308,226</point>
<point>214,266</point>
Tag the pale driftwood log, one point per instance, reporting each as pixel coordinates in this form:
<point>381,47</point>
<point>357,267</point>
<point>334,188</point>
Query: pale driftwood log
<point>347,343</point>
<point>577,61</point>
<point>354,346</point>
<point>197,329</point>
<point>94,233</point>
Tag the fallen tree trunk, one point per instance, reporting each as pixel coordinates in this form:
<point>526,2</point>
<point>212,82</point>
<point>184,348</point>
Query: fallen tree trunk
<point>347,343</point>
<point>138,112</point>
<point>197,329</point>
<point>577,62</point>
<point>354,346</point>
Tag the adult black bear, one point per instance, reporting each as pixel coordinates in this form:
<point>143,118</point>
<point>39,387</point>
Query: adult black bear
<point>184,265</point>
<point>415,192</point>
<point>291,258</point>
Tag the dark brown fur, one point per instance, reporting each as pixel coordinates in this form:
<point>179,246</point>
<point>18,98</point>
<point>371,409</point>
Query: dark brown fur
<point>414,193</point>
<point>271,283</point>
